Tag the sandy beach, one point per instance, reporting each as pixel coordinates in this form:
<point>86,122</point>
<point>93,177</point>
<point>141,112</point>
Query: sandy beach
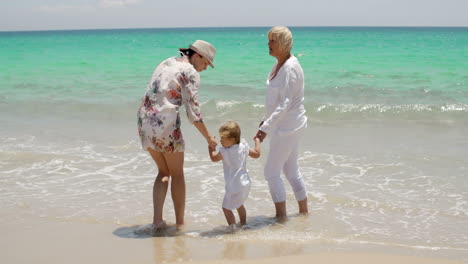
<point>82,241</point>
<point>384,157</point>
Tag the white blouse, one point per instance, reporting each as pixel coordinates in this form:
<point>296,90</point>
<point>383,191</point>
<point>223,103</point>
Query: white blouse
<point>285,112</point>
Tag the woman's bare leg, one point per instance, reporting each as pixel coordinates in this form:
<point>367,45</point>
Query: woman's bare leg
<point>281,210</point>
<point>175,164</point>
<point>303,209</point>
<point>159,187</point>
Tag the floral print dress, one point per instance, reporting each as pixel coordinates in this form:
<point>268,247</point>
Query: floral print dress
<point>174,83</point>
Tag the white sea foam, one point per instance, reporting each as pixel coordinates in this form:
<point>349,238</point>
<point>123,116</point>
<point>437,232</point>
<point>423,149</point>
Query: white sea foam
<point>404,201</point>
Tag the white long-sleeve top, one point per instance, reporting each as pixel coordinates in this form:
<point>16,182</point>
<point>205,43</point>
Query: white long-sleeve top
<point>285,112</point>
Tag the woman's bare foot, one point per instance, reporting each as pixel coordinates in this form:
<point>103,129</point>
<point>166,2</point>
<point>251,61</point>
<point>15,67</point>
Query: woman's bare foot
<point>159,226</point>
<point>180,227</point>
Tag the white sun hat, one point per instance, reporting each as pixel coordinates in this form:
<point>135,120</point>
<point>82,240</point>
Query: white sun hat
<point>204,49</point>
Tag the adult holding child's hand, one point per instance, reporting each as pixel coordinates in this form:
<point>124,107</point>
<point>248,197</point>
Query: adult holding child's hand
<point>284,121</point>
<point>175,82</point>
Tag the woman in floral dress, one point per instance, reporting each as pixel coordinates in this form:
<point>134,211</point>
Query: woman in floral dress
<point>175,82</point>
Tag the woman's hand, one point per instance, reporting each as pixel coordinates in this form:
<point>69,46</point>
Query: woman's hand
<point>260,135</point>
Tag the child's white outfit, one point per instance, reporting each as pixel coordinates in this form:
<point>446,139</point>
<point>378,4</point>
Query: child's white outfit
<point>235,174</point>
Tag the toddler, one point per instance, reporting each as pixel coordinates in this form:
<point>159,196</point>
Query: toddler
<point>233,153</point>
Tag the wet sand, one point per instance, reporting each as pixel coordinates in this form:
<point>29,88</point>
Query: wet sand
<point>85,241</point>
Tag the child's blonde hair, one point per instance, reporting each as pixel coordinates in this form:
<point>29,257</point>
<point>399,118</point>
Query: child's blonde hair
<point>230,129</point>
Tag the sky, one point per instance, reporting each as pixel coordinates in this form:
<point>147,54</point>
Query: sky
<point>19,15</point>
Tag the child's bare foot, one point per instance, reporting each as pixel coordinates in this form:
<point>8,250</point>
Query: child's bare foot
<point>165,179</point>
<point>245,227</point>
<point>231,228</point>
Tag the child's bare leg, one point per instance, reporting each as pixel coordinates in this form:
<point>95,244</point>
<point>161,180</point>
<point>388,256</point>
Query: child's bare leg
<point>231,220</point>
<point>242,215</point>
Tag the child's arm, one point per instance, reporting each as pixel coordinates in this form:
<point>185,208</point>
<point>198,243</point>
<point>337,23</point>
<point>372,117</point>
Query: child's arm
<point>213,155</point>
<point>255,152</point>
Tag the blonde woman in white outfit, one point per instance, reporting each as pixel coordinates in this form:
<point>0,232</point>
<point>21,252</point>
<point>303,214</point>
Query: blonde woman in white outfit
<point>284,121</point>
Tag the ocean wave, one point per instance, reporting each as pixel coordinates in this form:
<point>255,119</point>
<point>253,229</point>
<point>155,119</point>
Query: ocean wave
<point>237,109</point>
<point>382,108</point>
<point>329,111</point>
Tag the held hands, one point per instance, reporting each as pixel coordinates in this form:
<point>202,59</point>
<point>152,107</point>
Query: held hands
<point>212,143</point>
<point>211,149</point>
<point>260,135</point>
<point>214,156</point>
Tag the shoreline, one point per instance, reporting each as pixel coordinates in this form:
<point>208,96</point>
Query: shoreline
<point>45,240</point>
<point>336,258</point>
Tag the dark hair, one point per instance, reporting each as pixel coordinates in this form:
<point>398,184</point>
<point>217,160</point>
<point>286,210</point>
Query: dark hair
<point>187,52</point>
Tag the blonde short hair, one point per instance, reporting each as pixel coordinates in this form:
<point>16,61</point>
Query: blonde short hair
<point>230,129</point>
<point>283,35</point>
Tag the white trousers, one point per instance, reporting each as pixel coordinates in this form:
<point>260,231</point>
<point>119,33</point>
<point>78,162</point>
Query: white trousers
<point>283,156</point>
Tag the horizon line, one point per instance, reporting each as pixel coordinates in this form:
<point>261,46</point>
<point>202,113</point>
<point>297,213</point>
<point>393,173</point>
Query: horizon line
<point>228,27</point>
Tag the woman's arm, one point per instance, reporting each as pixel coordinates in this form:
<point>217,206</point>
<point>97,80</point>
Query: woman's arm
<point>212,142</point>
<point>192,107</point>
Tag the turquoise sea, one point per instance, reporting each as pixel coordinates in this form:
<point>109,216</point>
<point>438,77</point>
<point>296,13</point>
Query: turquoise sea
<point>385,155</point>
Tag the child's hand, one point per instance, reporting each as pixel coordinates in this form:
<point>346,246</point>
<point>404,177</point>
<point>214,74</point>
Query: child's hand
<point>211,149</point>
<point>255,152</point>
<point>212,142</point>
